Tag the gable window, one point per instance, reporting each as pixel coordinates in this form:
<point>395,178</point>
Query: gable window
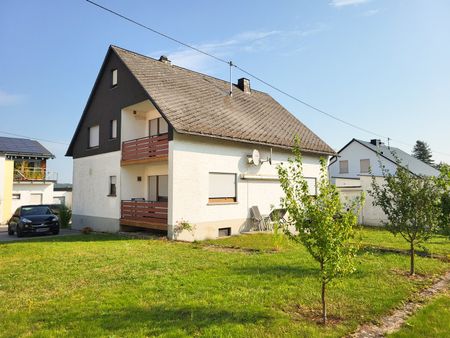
<point>158,127</point>
<point>94,133</point>
<point>343,167</point>
<point>222,188</point>
<point>114,78</point>
<point>158,188</point>
<point>113,129</point>
<point>112,185</point>
<point>364,166</point>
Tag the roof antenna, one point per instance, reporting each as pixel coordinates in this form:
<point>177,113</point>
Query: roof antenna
<point>231,79</point>
<point>389,145</point>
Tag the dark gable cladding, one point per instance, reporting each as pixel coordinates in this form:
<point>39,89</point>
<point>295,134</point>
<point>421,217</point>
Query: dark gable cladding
<point>105,104</point>
<point>198,104</point>
<point>23,147</point>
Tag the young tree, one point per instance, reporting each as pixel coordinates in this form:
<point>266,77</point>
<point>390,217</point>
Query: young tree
<point>443,182</point>
<point>411,204</point>
<point>322,223</point>
<point>422,151</point>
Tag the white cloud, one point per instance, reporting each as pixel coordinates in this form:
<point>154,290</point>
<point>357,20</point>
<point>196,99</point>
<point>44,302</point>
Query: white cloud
<point>342,3</point>
<point>371,12</point>
<point>244,42</point>
<point>8,99</point>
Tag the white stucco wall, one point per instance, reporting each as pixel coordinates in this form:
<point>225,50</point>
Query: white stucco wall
<point>351,188</point>
<point>135,120</point>
<point>26,189</point>
<point>90,192</point>
<point>354,153</point>
<point>67,197</point>
<point>191,159</point>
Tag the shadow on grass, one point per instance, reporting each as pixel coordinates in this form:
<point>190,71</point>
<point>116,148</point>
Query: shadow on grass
<point>71,237</point>
<point>279,270</point>
<point>405,252</point>
<point>166,319</point>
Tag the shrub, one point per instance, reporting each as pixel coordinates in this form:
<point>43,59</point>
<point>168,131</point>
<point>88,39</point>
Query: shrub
<point>65,215</point>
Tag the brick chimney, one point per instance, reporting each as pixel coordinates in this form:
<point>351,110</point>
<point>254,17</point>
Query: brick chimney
<point>244,85</point>
<point>165,60</point>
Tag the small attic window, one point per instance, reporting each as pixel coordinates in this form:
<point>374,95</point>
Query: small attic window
<point>114,78</point>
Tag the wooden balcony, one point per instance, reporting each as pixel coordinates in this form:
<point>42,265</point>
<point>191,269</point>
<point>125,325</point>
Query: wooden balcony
<point>149,215</point>
<point>145,149</point>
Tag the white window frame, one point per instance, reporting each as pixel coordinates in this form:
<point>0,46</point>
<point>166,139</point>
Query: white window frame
<point>94,143</point>
<point>112,182</point>
<point>113,129</point>
<point>114,77</point>
<point>214,194</point>
<point>340,167</point>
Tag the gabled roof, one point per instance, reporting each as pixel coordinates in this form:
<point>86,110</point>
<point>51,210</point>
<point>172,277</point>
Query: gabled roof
<point>408,161</point>
<point>23,147</point>
<point>198,104</point>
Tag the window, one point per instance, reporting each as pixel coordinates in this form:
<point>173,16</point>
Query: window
<point>158,126</point>
<point>94,136</point>
<point>343,167</point>
<point>113,129</point>
<point>364,165</point>
<point>16,196</point>
<point>222,188</point>
<point>224,232</point>
<point>312,185</point>
<point>114,78</point>
<point>112,185</point>
<point>158,188</point>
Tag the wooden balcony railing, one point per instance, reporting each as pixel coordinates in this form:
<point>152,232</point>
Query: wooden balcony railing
<point>152,215</point>
<point>145,149</point>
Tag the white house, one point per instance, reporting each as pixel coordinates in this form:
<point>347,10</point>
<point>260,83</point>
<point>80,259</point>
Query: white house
<point>62,194</point>
<point>24,178</point>
<point>158,145</point>
<point>349,170</point>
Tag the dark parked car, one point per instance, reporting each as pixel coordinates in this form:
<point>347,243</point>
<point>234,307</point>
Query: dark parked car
<point>33,219</point>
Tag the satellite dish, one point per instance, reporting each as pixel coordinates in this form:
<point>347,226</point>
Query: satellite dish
<point>255,157</point>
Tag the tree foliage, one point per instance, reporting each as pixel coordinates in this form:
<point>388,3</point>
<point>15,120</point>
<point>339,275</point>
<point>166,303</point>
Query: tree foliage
<point>411,203</point>
<point>422,151</point>
<point>444,184</point>
<point>322,223</point>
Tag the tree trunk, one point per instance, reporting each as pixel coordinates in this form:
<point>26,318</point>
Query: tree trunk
<point>412,267</point>
<point>324,306</point>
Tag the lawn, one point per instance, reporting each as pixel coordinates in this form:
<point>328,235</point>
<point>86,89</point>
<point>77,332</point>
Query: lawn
<point>433,320</point>
<point>246,286</point>
<point>371,236</point>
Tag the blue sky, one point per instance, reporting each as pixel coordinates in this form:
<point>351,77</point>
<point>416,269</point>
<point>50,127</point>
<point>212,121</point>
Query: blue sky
<point>383,65</point>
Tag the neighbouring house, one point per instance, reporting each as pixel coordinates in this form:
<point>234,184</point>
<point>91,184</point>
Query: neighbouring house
<point>352,169</point>
<point>24,178</point>
<point>158,145</point>
<point>62,194</point>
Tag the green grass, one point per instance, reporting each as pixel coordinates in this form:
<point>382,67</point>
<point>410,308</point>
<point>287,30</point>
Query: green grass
<point>379,237</point>
<point>110,286</point>
<point>433,320</point>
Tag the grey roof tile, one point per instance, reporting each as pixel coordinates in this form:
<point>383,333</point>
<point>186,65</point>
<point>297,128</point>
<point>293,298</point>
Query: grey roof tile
<point>198,104</point>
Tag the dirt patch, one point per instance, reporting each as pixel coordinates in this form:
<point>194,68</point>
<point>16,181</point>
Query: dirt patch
<point>395,320</point>
<point>232,249</point>
<point>303,313</point>
<point>372,248</point>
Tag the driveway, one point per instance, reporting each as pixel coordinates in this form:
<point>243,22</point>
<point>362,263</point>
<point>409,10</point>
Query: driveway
<point>4,237</point>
